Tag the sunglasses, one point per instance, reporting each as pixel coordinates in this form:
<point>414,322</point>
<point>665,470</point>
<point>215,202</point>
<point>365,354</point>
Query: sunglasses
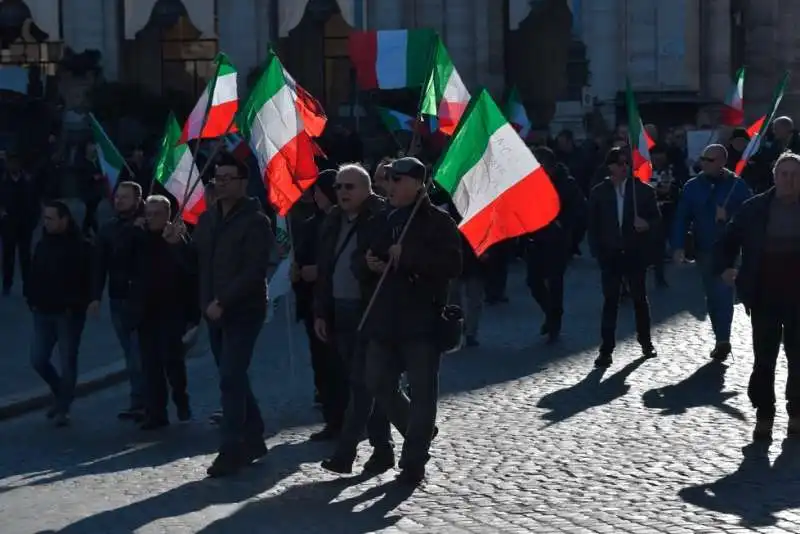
<point>339,186</point>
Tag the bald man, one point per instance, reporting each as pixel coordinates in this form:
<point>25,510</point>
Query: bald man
<point>708,202</point>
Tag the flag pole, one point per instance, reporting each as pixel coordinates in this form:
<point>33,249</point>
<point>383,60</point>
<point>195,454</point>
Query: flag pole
<point>110,142</point>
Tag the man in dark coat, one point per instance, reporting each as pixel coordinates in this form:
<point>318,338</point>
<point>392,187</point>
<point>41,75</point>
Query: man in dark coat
<point>19,211</point>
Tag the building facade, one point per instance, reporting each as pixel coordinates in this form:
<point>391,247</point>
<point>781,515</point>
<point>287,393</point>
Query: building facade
<point>569,58</point>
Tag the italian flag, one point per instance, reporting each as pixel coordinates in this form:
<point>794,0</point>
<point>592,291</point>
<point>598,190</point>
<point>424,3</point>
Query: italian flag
<point>111,161</point>
<point>496,183</point>
<point>733,112</point>
<point>175,169</point>
<point>278,120</point>
<point>396,121</point>
<point>640,142</point>
<point>758,130</point>
<point>517,115</point>
<point>213,114</point>
<point>444,95</point>
<point>390,59</point>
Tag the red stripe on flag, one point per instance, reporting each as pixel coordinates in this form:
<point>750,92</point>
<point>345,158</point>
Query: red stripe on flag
<point>219,122</point>
<point>449,115</point>
<point>363,50</point>
<point>191,214</point>
<point>730,116</point>
<point>311,112</point>
<point>291,172</point>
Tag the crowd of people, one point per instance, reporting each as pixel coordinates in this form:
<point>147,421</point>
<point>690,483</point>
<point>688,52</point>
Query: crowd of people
<point>377,258</point>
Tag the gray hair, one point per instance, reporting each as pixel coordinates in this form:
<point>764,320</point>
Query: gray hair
<point>160,200</point>
<point>356,169</point>
<point>783,158</point>
<point>717,148</point>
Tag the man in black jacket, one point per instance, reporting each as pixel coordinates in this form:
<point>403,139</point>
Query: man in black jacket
<point>623,221</point>
<point>57,292</point>
<point>158,300</point>
<point>766,232</point>
<point>19,210</point>
<point>403,324</point>
<point>548,249</point>
<point>114,261</point>
<point>234,244</point>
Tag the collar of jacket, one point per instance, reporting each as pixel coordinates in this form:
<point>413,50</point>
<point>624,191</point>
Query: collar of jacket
<point>242,205</point>
<point>371,205</point>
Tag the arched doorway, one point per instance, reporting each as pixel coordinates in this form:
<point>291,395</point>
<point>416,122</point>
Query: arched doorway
<point>169,55</point>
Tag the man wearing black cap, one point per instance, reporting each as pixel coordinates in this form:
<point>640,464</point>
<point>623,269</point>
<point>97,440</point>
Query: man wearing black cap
<point>403,323</point>
<point>623,219</point>
<point>234,244</point>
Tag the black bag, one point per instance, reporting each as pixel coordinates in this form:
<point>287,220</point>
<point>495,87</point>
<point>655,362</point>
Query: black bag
<point>450,329</point>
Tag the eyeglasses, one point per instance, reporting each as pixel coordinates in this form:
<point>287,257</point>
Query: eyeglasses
<point>339,186</point>
<point>224,179</point>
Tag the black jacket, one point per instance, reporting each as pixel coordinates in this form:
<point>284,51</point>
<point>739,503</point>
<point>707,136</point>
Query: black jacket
<point>604,233</point>
<point>558,235</point>
<point>114,258</point>
<point>20,201</point>
<point>59,276</point>
<point>409,303</point>
<point>305,237</point>
<point>744,235</point>
<point>374,207</point>
<point>234,253</point>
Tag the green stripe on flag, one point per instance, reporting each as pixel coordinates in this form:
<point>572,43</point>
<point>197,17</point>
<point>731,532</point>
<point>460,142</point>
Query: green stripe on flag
<point>634,121</point>
<point>441,67</point>
<point>167,160</point>
<point>111,161</point>
<point>269,83</point>
<point>419,46</point>
<point>469,142</point>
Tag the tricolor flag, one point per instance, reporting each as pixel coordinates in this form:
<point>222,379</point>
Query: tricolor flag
<point>278,120</point>
<point>175,169</point>
<point>640,142</point>
<point>758,130</point>
<point>213,114</point>
<point>396,121</point>
<point>517,115</point>
<point>496,183</point>
<point>733,112</point>
<point>391,59</point>
<point>236,145</point>
<point>444,95</point>
<point>111,161</point>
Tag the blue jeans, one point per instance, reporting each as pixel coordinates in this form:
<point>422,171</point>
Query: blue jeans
<point>129,341</point>
<point>232,341</point>
<point>51,330</point>
<point>719,298</point>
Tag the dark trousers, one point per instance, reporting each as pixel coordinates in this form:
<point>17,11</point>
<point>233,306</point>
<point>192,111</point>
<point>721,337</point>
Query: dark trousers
<point>770,325</point>
<point>420,359</point>
<point>545,277</point>
<point>667,218</point>
<point>497,270</point>
<point>163,363</point>
<point>362,411</point>
<point>619,267</point>
<point>330,378</point>
<point>62,331</point>
<point>232,340</point>
<point>16,242</point>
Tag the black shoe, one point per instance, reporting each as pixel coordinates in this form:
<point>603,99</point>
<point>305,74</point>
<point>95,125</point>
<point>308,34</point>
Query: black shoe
<point>133,413</point>
<point>338,465</point>
<point>379,462</point>
<point>226,464</point>
<point>326,434</point>
<point>435,433</point>
<point>649,351</point>
<point>411,476</point>
<point>255,449</point>
<point>155,423</point>
<point>184,413</point>
<point>553,336</point>
<point>472,341</point>
<point>603,361</point>
<point>721,352</point>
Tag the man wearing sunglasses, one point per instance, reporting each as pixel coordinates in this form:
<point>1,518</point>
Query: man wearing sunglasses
<point>623,218</point>
<point>403,324</point>
<point>708,202</point>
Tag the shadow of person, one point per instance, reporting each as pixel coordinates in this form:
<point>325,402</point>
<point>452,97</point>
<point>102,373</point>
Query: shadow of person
<point>755,492</point>
<point>704,387</point>
<point>590,392</point>
<point>290,511</point>
<point>282,461</point>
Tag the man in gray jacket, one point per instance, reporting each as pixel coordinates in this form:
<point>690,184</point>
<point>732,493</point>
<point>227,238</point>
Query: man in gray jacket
<point>234,242</point>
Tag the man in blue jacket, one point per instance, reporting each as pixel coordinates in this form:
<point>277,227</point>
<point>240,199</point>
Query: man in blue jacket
<point>708,202</point>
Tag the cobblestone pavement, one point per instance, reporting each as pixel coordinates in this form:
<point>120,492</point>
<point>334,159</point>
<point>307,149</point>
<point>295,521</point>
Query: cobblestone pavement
<point>532,440</point>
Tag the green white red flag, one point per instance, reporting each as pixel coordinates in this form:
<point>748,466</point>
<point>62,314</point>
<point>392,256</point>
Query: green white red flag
<point>390,59</point>
<point>444,94</point>
<point>279,121</point>
<point>517,116</point>
<point>396,121</point>
<point>111,161</point>
<point>639,141</point>
<point>175,169</point>
<point>496,183</point>
<point>733,112</point>
<point>213,113</point>
<point>758,130</point>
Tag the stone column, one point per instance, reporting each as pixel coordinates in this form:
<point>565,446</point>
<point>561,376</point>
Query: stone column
<point>602,39</point>
<point>238,19</point>
<point>762,46</point>
<point>461,37</point>
<point>786,55</point>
